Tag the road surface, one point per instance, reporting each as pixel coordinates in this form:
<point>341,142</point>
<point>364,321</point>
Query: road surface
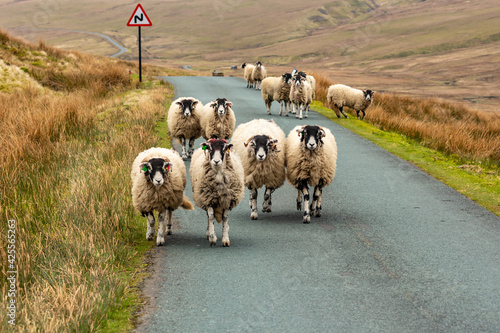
<point>394,251</point>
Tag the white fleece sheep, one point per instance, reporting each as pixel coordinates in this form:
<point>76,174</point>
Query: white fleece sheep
<point>218,186</point>
<point>217,120</point>
<point>311,80</point>
<point>259,73</point>
<point>158,181</point>
<point>183,120</point>
<point>311,158</point>
<point>260,144</point>
<point>300,95</point>
<point>247,74</point>
<point>277,89</point>
<point>340,95</point>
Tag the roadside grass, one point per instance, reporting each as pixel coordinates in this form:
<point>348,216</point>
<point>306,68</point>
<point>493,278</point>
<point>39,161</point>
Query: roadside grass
<point>67,145</point>
<point>480,183</point>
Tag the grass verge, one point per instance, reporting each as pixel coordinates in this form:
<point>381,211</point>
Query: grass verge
<point>477,182</point>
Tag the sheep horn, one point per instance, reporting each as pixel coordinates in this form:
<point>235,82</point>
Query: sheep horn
<point>248,141</point>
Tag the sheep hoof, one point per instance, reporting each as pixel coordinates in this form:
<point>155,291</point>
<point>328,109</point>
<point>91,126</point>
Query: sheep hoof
<point>184,157</point>
<point>254,216</point>
<point>160,241</point>
<point>286,115</point>
<point>225,242</point>
<point>169,232</point>
<point>299,205</point>
<point>150,236</point>
<point>318,213</point>
<point>213,240</point>
<point>267,209</point>
<point>306,219</point>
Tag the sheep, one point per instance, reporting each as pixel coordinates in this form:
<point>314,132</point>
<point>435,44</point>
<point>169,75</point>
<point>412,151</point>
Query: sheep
<point>183,120</point>
<point>247,74</point>
<point>277,89</point>
<point>158,181</point>
<point>300,95</point>
<point>340,95</point>
<point>311,159</point>
<point>311,80</point>
<point>218,185</point>
<point>218,120</point>
<point>259,73</point>
<point>260,144</point>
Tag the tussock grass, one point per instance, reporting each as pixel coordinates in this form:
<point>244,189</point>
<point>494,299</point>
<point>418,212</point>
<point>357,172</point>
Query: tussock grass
<point>446,126</point>
<point>64,178</point>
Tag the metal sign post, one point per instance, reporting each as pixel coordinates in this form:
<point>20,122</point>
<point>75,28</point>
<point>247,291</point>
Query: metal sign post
<point>139,19</point>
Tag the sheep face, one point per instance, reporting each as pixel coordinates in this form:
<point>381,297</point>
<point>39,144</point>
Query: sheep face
<point>311,136</point>
<point>243,65</point>
<point>258,64</point>
<point>216,150</point>
<point>261,145</point>
<point>220,106</point>
<point>368,95</point>
<point>287,78</point>
<point>156,170</point>
<point>187,106</point>
<point>297,80</point>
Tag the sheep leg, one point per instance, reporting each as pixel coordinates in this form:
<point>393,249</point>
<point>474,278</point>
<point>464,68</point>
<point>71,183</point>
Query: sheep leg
<point>268,106</point>
<point>160,238</point>
<point>287,107</point>
<point>150,233</point>
<point>211,229</point>
<point>169,222</point>
<point>267,204</point>
<point>299,198</point>
<point>253,204</point>
<point>293,108</point>
<point>316,203</point>
<point>364,114</point>
<point>300,110</point>
<point>191,147</point>
<point>307,110</point>
<point>183,144</point>
<point>307,213</point>
<point>341,109</point>
<point>281,107</point>
<point>225,228</point>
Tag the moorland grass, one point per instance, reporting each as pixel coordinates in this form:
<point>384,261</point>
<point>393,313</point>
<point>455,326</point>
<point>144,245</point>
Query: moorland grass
<point>67,148</point>
<point>453,143</point>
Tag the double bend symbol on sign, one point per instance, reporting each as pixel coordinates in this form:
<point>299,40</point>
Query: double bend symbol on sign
<point>139,18</point>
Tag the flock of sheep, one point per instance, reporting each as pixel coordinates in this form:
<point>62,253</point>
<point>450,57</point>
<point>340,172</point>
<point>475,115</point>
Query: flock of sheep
<point>259,155</point>
<point>296,90</point>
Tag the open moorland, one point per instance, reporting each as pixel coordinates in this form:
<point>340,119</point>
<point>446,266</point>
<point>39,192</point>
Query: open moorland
<point>442,48</point>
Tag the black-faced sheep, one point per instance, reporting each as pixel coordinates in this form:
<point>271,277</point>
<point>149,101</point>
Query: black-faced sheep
<point>311,80</point>
<point>183,120</point>
<point>259,73</point>
<point>217,181</point>
<point>158,182</point>
<point>260,144</point>
<point>340,95</point>
<point>311,158</point>
<point>277,89</point>
<point>218,120</point>
<point>247,74</point>
<point>300,95</point>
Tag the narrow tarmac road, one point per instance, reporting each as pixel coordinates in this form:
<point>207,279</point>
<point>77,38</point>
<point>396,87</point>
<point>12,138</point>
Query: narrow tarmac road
<point>395,250</point>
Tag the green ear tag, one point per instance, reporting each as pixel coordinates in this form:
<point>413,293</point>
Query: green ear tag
<point>204,147</point>
<point>144,168</point>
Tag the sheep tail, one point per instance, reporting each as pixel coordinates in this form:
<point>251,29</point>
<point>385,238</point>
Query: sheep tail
<point>186,204</point>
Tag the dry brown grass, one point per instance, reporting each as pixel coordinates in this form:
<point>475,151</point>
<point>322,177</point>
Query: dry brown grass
<point>64,170</point>
<point>443,125</point>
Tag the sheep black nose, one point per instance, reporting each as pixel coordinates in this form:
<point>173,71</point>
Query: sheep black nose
<point>261,156</point>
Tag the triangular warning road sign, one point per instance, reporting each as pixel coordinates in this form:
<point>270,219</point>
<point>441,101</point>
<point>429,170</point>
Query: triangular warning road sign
<point>139,18</point>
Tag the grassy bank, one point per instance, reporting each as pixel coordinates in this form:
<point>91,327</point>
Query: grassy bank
<point>478,182</point>
<point>71,126</point>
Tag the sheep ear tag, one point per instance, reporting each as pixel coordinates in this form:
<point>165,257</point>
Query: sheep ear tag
<point>144,168</point>
<point>204,147</point>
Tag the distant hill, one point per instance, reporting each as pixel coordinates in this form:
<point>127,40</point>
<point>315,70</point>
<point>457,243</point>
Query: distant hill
<point>449,48</point>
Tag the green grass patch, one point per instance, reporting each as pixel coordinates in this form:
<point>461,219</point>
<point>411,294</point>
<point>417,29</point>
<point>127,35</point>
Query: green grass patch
<point>477,182</point>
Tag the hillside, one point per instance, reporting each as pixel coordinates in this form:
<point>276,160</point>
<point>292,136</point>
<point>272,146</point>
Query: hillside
<point>439,48</point>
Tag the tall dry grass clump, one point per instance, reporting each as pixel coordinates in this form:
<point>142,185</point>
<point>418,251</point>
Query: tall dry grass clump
<point>64,171</point>
<point>447,126</point>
